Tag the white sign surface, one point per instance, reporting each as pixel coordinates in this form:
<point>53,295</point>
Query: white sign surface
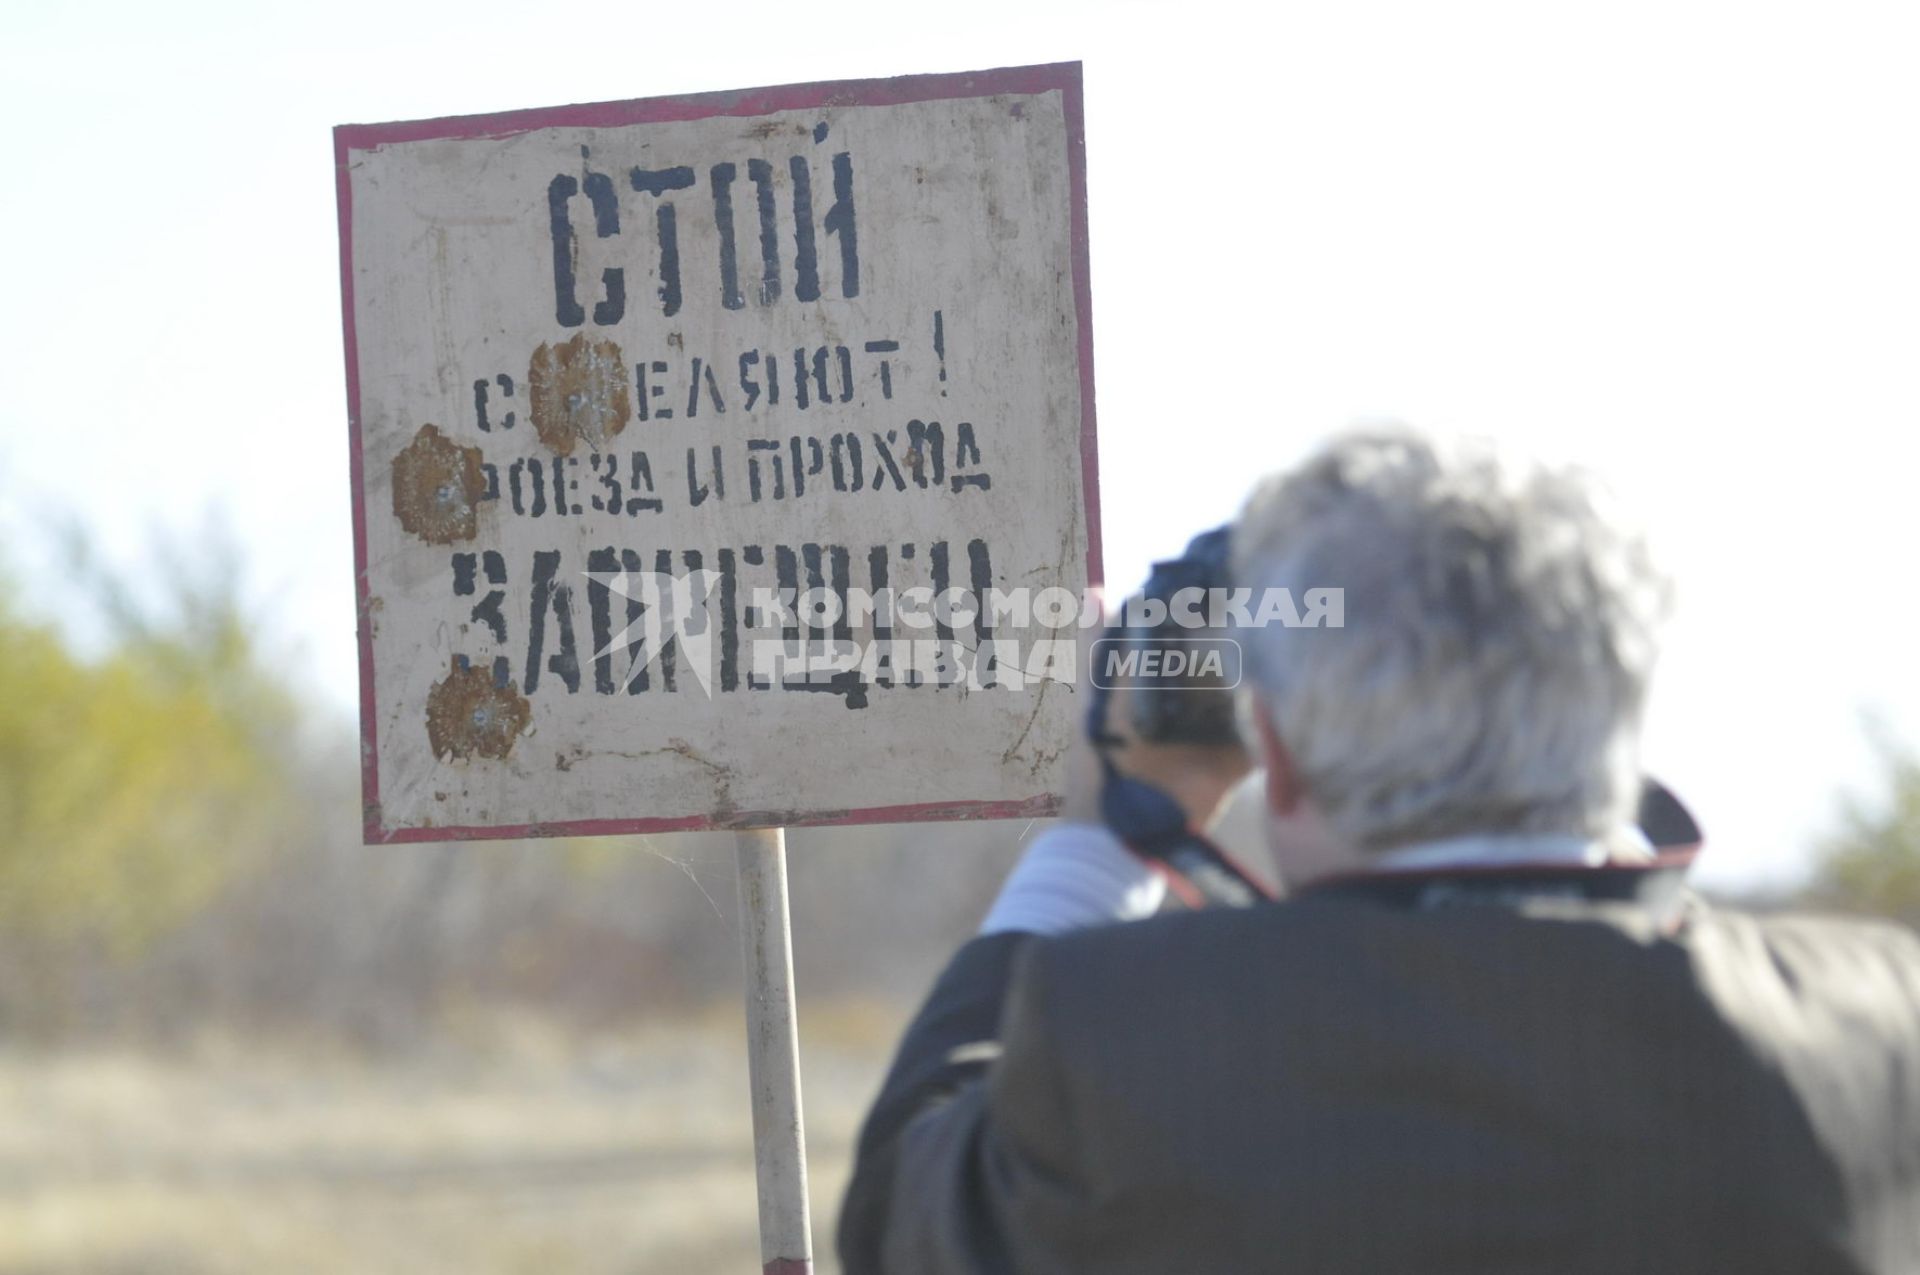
<point>720,461</point>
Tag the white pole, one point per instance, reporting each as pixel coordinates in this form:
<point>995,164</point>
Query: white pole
<point>773,1055</point>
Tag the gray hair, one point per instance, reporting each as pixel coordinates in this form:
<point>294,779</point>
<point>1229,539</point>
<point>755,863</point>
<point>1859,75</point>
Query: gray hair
<point>1497,640</point>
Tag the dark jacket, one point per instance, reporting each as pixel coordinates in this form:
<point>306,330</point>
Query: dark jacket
<point>1350,1083</point>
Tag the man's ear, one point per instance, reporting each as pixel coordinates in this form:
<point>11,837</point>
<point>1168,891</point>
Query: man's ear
<point>1284,793</point>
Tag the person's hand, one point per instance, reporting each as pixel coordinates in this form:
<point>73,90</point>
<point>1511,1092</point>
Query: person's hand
<point>1197,776</point>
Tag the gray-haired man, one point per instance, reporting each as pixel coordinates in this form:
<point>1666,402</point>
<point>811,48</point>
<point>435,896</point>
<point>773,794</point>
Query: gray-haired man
<point>1461,1044</point>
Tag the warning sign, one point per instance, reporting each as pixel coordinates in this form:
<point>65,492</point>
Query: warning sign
<point>721,461</point>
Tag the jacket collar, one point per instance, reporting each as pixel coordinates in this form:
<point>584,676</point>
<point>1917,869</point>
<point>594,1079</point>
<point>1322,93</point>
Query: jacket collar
<point>1479,850</point>
<point>1515,870</point>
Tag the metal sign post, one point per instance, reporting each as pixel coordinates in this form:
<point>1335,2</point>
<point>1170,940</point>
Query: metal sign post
<point>773,1055</point>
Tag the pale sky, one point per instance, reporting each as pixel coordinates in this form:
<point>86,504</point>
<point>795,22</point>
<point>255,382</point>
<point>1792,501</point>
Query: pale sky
<point>1677,242</point>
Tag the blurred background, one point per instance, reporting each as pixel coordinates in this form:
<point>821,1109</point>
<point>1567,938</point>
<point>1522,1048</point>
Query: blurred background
<point>1673,242</point>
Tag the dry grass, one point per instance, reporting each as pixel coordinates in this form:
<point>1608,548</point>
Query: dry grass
<point>520,1152</point>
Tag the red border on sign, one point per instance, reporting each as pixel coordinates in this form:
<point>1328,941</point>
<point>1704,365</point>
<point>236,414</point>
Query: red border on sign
<point>1061,77</point>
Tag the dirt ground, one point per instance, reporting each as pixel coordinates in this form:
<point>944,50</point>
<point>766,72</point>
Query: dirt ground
<point>522,1153</point>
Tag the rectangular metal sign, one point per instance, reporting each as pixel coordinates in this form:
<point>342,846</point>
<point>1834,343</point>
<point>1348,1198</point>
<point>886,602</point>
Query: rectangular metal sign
<point>720,461</point>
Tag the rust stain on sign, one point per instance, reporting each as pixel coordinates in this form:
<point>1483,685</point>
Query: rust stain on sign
<point>579,391</point>
<point>436,487</point>
<point>467,715</point>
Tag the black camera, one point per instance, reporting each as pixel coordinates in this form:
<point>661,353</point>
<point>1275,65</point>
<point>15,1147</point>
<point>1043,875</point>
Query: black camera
<point>1172,649</point>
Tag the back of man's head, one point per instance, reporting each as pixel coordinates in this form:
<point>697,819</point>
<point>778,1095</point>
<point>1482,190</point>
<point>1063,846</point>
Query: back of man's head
<point>1498,636</point>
